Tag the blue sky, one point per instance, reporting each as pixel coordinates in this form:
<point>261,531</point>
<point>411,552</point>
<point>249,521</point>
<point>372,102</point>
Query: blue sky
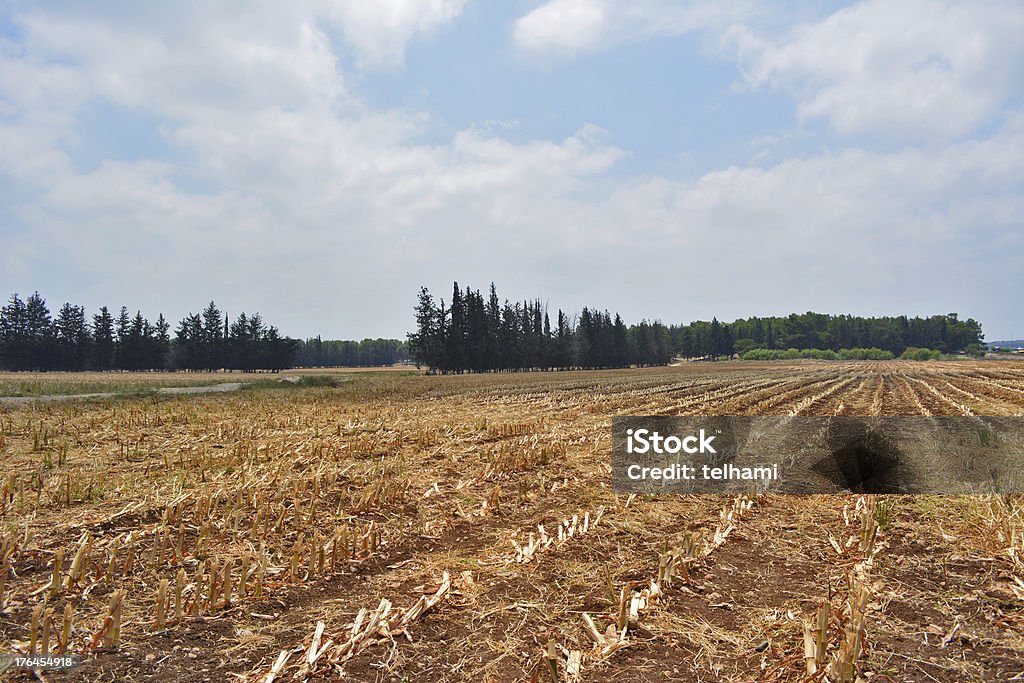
<point>319,161</point>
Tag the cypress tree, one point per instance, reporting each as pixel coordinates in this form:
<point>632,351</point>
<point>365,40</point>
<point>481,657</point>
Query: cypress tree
<point>14,335</point>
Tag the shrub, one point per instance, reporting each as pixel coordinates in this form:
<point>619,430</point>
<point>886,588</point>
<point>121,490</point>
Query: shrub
<point>317,381</point>
<point>817,354</point>
<point>916,353</point>
<point>865,354</point>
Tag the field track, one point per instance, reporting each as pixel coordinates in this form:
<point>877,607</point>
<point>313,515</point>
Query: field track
<point>471,518</point>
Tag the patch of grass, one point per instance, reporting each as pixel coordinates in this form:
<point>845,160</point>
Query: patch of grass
<point>318,381</point>
<point>296,382</point>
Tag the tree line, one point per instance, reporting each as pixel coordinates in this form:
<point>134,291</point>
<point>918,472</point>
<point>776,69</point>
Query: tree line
<point>33,339</point>
<point>909,353</point>
<point>337,353</point>
<point>477,334</point>
<point>474,333</point>
<point>471,333</point>
<point>943,333</point>
<point>826,354</point>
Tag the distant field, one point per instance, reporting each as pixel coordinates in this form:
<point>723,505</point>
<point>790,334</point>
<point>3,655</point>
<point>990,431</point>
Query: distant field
<point>65,383</point>
<point>471,518</point>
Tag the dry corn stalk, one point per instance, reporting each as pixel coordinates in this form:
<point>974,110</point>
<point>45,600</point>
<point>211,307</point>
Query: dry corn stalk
<point>574,666</point>
<point>313,652</point>
<point>109,635</point>
<point>551,660</point>
<point>161,605</point>
<point>569,528</point>
<point>367,628</point>
<point>80,561</point>
<point>361,635</point>
<point>842,668</point>
<point>5,570</point>
<point>33,629</point>
<point>728,517</point>
<point>55,578</point>
<point>816,638</point>
<point>112,559</point>
<point>47,625</point>
<point>66,626</point>
<point>226,582</point>
<point>278,667</point>
<point>179,598</point>
<point>869,523</point>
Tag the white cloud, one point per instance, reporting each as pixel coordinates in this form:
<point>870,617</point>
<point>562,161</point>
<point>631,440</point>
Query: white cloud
<point>914,69</point>
<point>283,179</point>
<point>380,31</point>
<point>569,25</point>
<point>290,195</point>
<point>581,26</point>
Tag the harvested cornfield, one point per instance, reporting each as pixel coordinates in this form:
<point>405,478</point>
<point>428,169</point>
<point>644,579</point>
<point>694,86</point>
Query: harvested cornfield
<point>462,528</point>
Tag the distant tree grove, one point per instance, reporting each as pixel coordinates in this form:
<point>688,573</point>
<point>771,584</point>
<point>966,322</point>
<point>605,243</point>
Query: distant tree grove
<point>32,339</point>
<point>334,353</point>
<point>475,334</point>
<point>942,333</point>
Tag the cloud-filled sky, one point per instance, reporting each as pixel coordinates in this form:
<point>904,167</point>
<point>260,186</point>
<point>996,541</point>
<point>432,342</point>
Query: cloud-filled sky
<point>319,161</point>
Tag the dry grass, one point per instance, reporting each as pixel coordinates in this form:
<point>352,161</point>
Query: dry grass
<point>65,383</point>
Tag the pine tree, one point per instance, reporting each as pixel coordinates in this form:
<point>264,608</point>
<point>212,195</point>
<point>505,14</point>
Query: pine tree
<point>620,343</point>
<point>187,351</point>
<point>42,349</point>
<point>426,343</point>
<point>162,343</point>
<point>123,349</point>
<point>72,336</point>
<point>455,346</point>
<point>212,338</point>
<point>14,335</point>
<point>103,348</point>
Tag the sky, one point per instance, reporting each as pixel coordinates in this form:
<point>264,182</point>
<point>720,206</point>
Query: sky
<point>320,161</point>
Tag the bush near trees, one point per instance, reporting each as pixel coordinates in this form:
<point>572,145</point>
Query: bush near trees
<point>915,353</point>
<point>818,354</point>
<point>31,339</point>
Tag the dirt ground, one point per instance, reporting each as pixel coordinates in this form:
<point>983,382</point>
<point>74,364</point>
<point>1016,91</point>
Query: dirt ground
<point>463,528</point>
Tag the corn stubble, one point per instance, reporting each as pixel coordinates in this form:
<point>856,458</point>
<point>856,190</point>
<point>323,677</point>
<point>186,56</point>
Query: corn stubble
<point>125,521</point>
